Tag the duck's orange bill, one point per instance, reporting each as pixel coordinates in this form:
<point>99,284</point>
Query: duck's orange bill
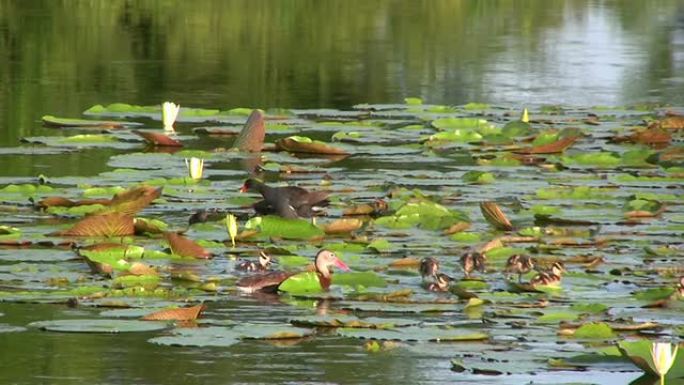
<point>341,264</point>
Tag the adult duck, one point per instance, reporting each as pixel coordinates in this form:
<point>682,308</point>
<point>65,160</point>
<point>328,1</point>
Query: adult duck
<point>287,201</point>
<point>269,282</point>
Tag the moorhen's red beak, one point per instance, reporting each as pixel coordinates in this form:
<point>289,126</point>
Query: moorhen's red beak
<point>243,189</point>
<point>341,264</point>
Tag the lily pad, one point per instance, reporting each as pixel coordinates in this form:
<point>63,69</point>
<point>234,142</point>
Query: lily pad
<point>98,326</point>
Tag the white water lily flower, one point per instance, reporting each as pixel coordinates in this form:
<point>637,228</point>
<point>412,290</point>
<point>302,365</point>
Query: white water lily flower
<point>663,356</point>
<point>525,116</point>
<point>195,167</point>
<point>169,115</point>
<point>232,226</point>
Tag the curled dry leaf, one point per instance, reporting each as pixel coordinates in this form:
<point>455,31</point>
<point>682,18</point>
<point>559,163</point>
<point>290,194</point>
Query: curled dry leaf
<point>131,201</point>
<point>103,225</point>
<point>139,268</point>
<point>493,214</point>
<point>457,228</point>
<point>186,247</point>
<point>179,314</point>
<point>65,202</point>
<point>344,225</point>
<point>405,263</point>
<point>251,138</point>
<point>158,139</point>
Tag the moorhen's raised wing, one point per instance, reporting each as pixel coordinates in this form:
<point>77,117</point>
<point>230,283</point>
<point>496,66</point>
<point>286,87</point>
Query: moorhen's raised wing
<point>288,201</point>
<point>325,259</point>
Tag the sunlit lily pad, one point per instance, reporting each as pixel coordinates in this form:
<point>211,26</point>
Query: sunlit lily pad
<point>414,333</point>
<point>98,326</point>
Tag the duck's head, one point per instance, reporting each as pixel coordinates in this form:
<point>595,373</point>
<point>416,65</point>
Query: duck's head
<point>557,269</point>
<point>428,267</point>
<point>325,259</point>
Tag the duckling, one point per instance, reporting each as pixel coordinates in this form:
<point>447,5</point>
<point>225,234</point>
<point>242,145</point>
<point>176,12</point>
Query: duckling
<point>441,283</point>
<point>471,261</point>
<point>263,264</point>
<point>428,267</point>
<point>551,277</point>
<point>680,288</point>
<point>519,264</point>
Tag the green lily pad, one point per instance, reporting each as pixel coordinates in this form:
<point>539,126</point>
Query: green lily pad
<point>639,352</point>
<point>594,330</point>
<point>275,226</point>
<point>98,326</point>
<point>415,333</point>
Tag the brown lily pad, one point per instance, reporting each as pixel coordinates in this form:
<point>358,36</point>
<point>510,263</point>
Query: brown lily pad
<point>186,247</point>
<point>158,139</point>
<point>103,225</point>
<point>178,314</point>
<point>342,226</point>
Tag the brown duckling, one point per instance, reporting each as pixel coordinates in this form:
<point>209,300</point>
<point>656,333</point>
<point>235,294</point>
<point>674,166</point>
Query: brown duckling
<point>519,264</point>
<point>472,261</point>
<point>441,283</point>
<point>428,267</point>
<point>263,264</point>
<point>551,277</point>
<point>680,288</point>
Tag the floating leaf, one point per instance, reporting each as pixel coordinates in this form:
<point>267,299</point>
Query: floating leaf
<point>176,314</point>
<point>52,121</point>
<point>158,139</point>
<point>414,333</point>
<point>105,225</point>
<point>185,247</point>
<point>306,145</point>
<point>342,226</point>
<point>275,226</point>
<point>639,352</point>
<point>98,326</point>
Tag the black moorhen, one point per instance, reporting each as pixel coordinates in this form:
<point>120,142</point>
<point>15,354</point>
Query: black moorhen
<point>288,201</point>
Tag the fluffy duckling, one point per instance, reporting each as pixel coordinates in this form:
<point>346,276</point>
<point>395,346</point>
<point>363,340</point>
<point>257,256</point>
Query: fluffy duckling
<point>552,277</point>
<point>263,264</point>
<point>441,283</point>
<point>472,261</point>
<point>428,268</point>
<point>519,264</point>
<point>680,288</point>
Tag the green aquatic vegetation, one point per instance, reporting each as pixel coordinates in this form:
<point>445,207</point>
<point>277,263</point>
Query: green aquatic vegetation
<point>599,159</point>
<point>275,226</point>
<point>460,123</point>
<point>466,237</point>
<point>639,352</point>
<point>455,135</point>
<point>413,101</point>
<point>577,192</point>
<point>76,210</point>
<point>476,106</point>
<point>501,160</point>
<point>98,326</point>
<point>478,177</point>
<point>594,330</point>
<point>89,138</point>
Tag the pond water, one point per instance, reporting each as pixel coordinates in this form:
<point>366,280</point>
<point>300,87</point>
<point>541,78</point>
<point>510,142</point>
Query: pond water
<point>343,69</point>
